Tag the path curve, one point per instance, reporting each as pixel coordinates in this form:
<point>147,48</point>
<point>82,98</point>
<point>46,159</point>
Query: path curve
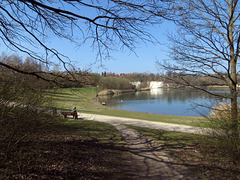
<point>144,123</point>
<point>150,161</point>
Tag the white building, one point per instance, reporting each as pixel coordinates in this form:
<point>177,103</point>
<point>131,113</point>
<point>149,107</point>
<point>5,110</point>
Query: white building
<point>155,84</point>
<point>151,84</point>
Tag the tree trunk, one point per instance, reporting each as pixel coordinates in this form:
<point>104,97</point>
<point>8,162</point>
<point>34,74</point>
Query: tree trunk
<point>233,86</point>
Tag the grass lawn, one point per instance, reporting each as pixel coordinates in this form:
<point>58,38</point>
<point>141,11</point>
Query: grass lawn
<point>82,98</point>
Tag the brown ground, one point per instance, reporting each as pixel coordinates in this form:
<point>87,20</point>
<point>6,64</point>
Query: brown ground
<point>151,161</point>
<point>60,153</point>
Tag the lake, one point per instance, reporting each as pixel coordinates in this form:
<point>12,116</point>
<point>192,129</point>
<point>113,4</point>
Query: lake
<point>163,101</point>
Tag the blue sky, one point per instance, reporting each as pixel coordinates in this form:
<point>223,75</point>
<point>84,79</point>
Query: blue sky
<point>84,57</point>
<point>123,62</point>
<point>144,61</point>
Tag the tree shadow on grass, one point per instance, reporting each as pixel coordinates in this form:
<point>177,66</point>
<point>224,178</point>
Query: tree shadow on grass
<point>66,160</point>
<point>192,152</point>
<point>64,153</point>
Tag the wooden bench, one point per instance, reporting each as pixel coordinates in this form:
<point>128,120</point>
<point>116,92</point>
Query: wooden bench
<point>67,113</point>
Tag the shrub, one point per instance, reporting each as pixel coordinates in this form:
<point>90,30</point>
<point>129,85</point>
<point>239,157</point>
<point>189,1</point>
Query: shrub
<point>20,118</point>
<point>115,83</point>
<point>222,132</point>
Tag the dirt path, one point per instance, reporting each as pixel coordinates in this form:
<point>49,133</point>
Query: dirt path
<point>150,161</point>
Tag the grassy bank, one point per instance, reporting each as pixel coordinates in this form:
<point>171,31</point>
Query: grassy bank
<point>82,98</point>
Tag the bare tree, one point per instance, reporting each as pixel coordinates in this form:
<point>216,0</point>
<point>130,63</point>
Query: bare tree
<point>107,24</point>
<point>207,44</point>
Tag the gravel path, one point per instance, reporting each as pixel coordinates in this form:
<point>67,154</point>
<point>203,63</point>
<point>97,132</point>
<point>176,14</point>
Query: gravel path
<point>143,123</point>
<point>150,161</point>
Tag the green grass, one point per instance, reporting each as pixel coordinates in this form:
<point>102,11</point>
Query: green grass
<point>82,98</point>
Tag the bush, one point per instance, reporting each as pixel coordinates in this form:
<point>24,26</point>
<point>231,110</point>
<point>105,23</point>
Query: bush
<point>223,132</point>
<point>20,118</point>
<point>115,83</point>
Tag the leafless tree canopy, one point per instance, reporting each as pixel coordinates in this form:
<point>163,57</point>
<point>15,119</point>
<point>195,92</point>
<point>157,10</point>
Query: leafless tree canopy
<point>207,42</point>
<point>108,25</point>
<point>207,45</point>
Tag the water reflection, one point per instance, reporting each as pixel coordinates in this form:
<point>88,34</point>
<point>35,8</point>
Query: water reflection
<point>161,101</point>
<point>156,92</point>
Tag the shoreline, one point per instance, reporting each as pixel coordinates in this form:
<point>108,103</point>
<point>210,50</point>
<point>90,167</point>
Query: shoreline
<point>107,92</point>
<point>86,102</point>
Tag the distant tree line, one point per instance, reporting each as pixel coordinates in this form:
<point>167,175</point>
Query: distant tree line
<point>14,66</point>
<point>77,78</point>
<point>176,79</point>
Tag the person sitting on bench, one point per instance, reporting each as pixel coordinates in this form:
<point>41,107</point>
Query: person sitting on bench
<point>72,113</point>
<point>74,110</point>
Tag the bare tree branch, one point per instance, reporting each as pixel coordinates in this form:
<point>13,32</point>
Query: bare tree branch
<point>109,25</point>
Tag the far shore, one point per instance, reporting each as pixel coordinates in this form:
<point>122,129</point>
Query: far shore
<point>120,91</point>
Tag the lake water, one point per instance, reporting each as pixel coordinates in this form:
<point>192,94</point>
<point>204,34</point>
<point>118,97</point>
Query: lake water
<point>163,101</point>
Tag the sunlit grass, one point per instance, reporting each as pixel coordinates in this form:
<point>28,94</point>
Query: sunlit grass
<point>83,99</point>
